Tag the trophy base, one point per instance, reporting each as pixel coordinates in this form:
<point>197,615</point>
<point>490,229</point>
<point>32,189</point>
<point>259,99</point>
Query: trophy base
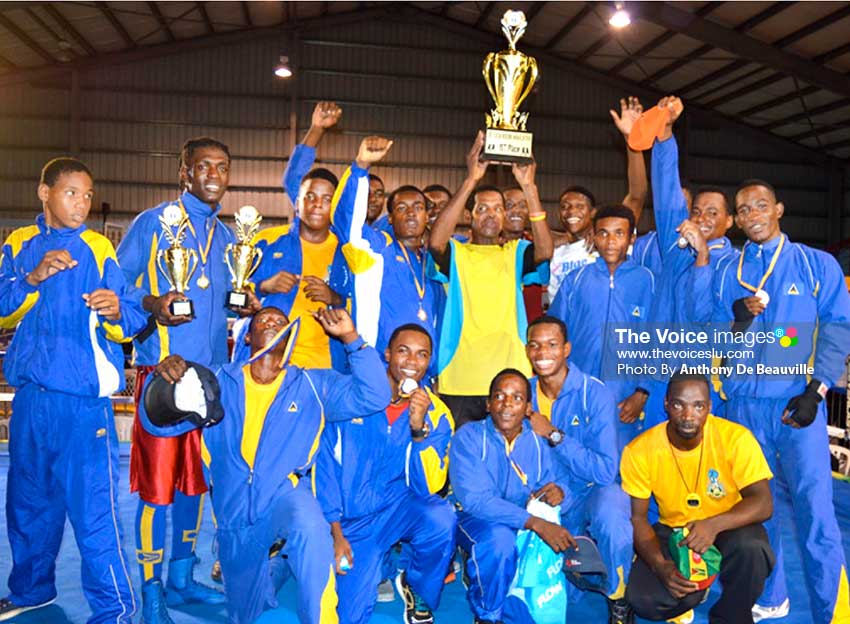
<point>509,146</point>
<point>182,307</point>
<point>237,300</point>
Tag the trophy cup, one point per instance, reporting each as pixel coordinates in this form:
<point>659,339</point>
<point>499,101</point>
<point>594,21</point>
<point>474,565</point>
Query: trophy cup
<point>509,76</point>
<point>177,263</point>
<point>242,258</point>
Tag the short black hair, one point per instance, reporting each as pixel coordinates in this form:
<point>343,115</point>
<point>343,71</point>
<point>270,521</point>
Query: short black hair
<point>372,176</point>
<point>266,309</point>
<point>410,327</point>
<point>189,147</point>
<point>505,372</point>
<point>406,188</point>
<point>433,188</point>
<point>679,378</point>
<point>64,164</point>
<point>756,182</point>
<point>703,190</point>
<point>484,188</point>
<point>320,173</point>
<point>548,319</point>
<point>576,188</point>
<point>511,187</point>
<point>618,211</point>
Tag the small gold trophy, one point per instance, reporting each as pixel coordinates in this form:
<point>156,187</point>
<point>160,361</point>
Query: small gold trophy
<point>179,262</point>
<point>509,76</point>
<point>242,258</point>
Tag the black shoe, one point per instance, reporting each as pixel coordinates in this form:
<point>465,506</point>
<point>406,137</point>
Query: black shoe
<point>479,621</point>
<point>415,609</point>
<point>620,612</point>
<point>9,609</point>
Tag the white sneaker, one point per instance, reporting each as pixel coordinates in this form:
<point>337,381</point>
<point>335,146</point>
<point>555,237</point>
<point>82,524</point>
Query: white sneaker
<point>686,618</point>
<point>386,592</point>
<point>771,613</point>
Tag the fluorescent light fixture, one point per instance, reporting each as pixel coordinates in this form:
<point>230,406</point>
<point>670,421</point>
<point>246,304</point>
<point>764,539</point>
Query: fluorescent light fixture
<point>621,18</point>
<point>282,70</point>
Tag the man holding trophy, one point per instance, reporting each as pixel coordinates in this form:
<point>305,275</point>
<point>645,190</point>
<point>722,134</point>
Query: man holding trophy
<point>175,253</point>
<point>483,271</point>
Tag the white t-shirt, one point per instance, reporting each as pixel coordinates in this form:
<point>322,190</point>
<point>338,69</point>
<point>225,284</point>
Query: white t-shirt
<point>565,259</point>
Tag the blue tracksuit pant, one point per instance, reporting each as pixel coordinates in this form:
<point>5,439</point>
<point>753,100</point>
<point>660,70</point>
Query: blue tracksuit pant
<point>426,525</point>
<point>604,513</point>
<point>63,458</point>
<point>800,457</point>
<point>244,556</point>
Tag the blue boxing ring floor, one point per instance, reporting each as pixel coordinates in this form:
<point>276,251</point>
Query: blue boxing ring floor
<point>71,607</point>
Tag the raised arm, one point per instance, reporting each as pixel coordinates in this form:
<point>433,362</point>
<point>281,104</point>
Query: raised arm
<point>540,233</point>
<point>325,116</point>
<point>444,226</point>
<point>668,201</point>
<point>635,199</point>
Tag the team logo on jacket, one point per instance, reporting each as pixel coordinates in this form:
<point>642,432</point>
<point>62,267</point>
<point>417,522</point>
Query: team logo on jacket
<point>575,421</point>
<point>715,489</point>
<point>791,289</point>
<point>293,407</point>
<point>637,311</point>
<point>277,255</point>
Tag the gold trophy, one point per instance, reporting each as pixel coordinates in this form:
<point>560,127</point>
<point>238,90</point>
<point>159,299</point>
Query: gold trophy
<point>242,258</point>
<point>177,263</point>
<point>509,76</point>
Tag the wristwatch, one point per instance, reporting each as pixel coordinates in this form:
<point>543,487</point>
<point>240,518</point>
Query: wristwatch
<point>555,437</point>
<point>421,433</point>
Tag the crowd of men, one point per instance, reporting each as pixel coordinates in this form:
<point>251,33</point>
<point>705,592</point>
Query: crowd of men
<point>408,387</point>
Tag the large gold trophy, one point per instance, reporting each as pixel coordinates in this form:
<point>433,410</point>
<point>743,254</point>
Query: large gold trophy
<point>242,258</point>
<point>177,263</point>
<point>510,76</point>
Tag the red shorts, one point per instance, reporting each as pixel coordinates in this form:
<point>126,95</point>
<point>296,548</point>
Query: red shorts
<point>159,465</point>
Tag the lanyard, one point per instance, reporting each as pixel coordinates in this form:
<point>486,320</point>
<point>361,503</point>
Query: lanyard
<point>420,286</point>
<point>767,274</point>
<point>205,252</point>
<point>522,476</point>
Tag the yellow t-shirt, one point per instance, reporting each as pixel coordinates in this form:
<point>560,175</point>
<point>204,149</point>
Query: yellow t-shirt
<point>544,403</point>
<point>258,400</point>
<point>732,460</point>
<point>313,349</point>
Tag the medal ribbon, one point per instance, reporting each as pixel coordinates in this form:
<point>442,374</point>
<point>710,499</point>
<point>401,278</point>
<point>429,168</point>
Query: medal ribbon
<point>767,274</point>
<point>522,476</point>
<point>420,287</point>
<point>205,252</point>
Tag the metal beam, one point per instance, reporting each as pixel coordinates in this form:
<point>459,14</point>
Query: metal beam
<point>824,129</point>
<point>837,145</point>
<point>48,29</point>
<point>28,41</point>
<point>7,63</point>
<point>566,28</point>
<point>742,46</point>
<point>534,11</point>
<point>485,14</point>
<point>658,41</point>
<point>246,14</point>
<point>116,24</point>
<point>747,89</point>
<point>820,110</point>
<point>835,201</point>
<point>202,9</point>
<point>163,24</point>
<point>54,12</point>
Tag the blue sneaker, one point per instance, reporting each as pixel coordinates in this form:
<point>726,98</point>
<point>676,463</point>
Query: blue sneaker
<point>183,588</point>
<point>154,610</point>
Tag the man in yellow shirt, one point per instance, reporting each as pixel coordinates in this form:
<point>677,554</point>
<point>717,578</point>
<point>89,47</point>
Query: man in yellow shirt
<point>709,476</point>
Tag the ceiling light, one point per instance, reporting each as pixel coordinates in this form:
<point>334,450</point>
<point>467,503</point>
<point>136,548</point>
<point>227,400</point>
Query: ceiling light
<point>282,70</point>
<point>621,18</point>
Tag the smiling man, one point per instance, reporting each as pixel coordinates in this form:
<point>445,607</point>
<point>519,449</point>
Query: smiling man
<point>378,482</point>
<point>496,466</point>
<point>776,283</point>
<point>168,470</point>
<point>61,288</point>
<point>478,338</point>
<point>709,476</point>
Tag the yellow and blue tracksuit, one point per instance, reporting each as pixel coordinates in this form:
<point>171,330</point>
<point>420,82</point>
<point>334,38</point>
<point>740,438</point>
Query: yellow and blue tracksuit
<point>204,339</point>
<point>493,481</point>
<point>383,273</point>
<point>587,462</point>
<point>256,506</point>
<point>683,291</point>
<point>593,302</point>
<point>807,292</point>
<point>65,361</point>
<point>384,488</point>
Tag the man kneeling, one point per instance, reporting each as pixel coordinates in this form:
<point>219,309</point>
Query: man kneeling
<point>378,482</point>
<point>709,476</point>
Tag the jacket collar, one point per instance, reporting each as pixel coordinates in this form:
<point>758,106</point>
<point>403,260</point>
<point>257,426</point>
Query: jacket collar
<point>45,229</point>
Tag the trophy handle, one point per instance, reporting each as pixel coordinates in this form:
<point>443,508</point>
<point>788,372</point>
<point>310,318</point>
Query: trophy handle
<point>488,64</point>
<point>532,65</point>
<point>227,253</point>
<point>258,257</point>
<point>193,255</point>
<point>162,270</point>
